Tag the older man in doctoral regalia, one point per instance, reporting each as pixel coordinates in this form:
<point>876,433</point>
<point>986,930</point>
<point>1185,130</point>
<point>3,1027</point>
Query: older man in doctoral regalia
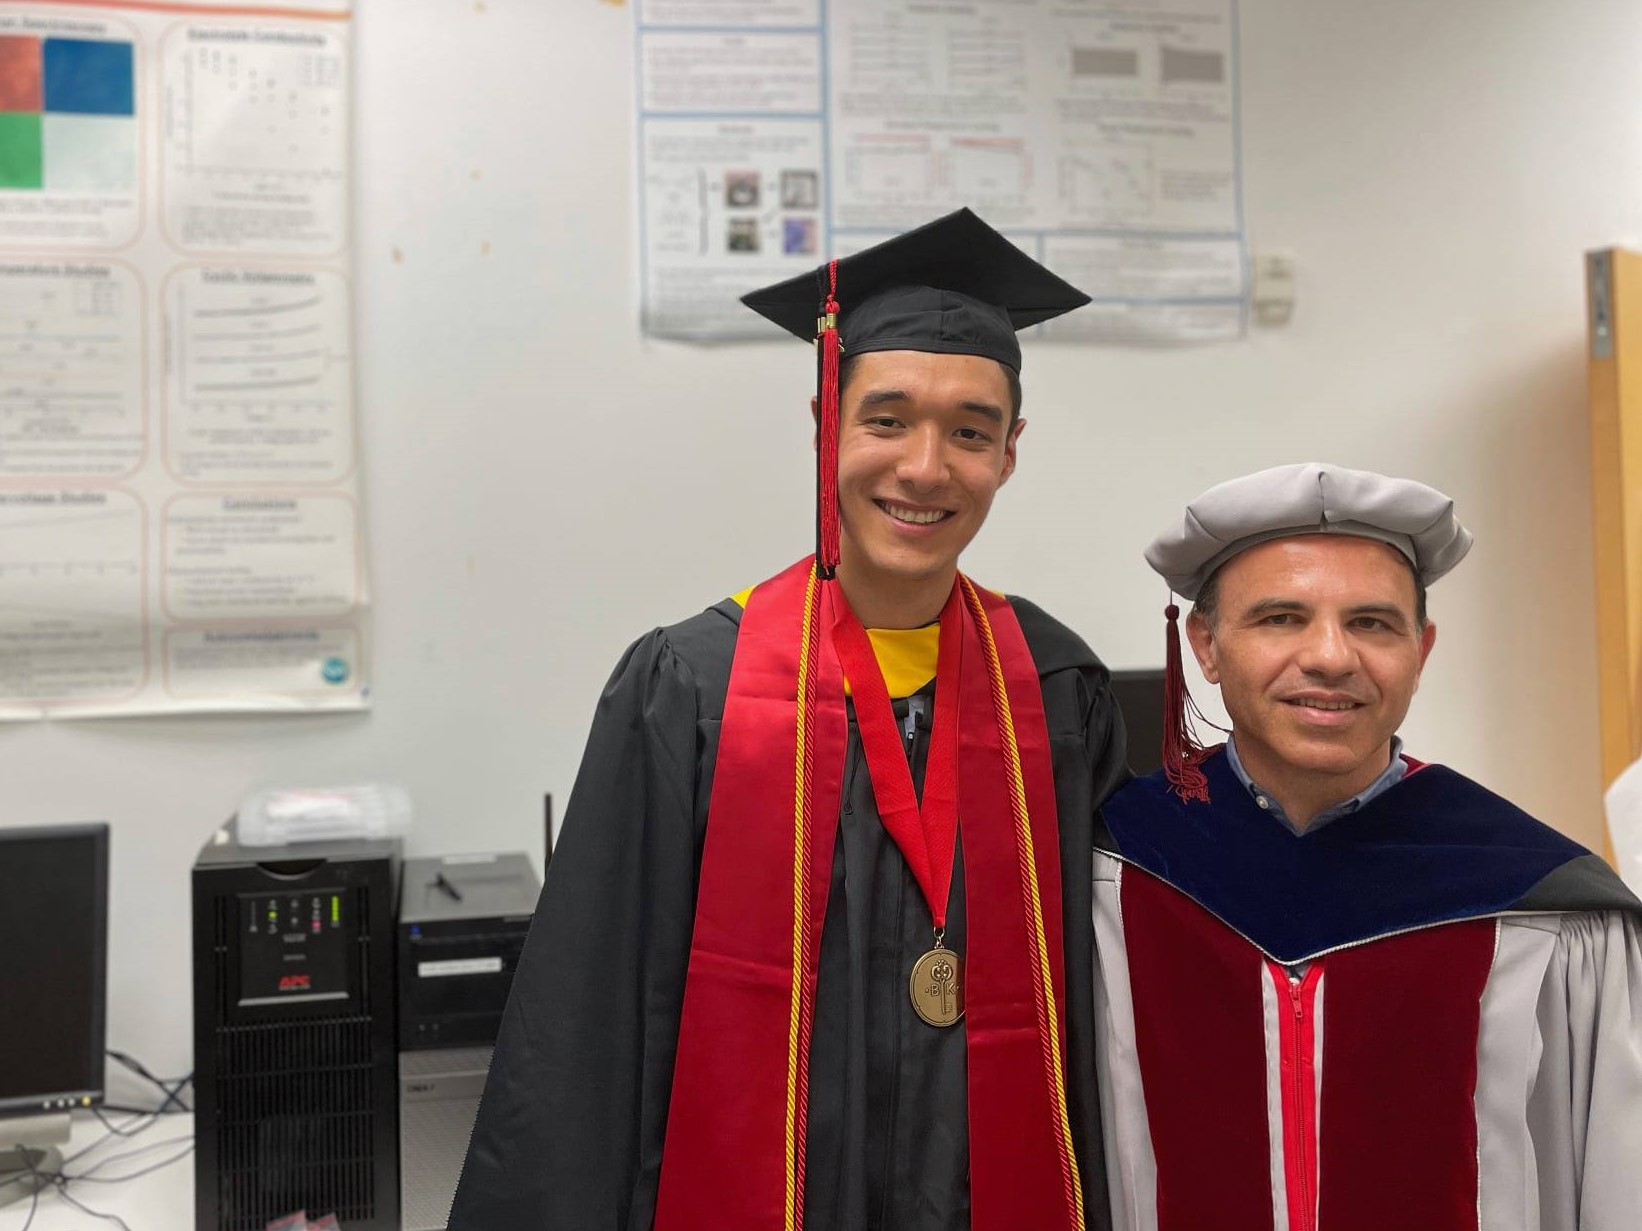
<point>1340,988</point>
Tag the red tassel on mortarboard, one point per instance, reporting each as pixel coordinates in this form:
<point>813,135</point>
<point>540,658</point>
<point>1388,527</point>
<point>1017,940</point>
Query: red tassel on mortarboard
<point>826,456</point>
<point>1182,753</point>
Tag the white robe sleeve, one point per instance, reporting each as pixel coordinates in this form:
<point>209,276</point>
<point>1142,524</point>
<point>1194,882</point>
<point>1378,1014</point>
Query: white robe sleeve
<point>1585,1105</point>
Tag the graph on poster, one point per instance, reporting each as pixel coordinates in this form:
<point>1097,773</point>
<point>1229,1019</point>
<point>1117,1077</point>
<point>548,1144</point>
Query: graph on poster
<point>255,139</point>
<point>259,379</point>
<point>71,397</point>
<point>71,596</point>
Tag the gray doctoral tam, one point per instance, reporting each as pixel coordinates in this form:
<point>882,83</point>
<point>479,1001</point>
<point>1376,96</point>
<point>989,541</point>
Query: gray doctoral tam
<point>1309,498</point>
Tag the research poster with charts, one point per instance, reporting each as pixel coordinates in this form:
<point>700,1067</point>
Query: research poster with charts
<point>1099,135</point>
<point>180,523</point>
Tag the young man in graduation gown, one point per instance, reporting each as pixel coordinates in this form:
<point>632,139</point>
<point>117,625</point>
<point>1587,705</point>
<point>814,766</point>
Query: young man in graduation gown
<point>1339,988</point>
<point>816,947</point>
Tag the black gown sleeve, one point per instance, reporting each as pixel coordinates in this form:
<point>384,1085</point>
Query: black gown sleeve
<point>1105,740</point>
<point>1104,761</point>
<point>569,1131</point>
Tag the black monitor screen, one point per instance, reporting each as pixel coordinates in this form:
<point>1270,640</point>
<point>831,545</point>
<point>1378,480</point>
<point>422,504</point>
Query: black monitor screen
<point>53,981</point>
<point>1140,696</point>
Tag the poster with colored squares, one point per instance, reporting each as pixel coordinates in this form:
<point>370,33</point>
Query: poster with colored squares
<point>180,524</point>
<point>67,114</point>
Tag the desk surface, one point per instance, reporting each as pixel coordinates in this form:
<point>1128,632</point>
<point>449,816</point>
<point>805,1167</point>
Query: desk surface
<point>162,1200</point>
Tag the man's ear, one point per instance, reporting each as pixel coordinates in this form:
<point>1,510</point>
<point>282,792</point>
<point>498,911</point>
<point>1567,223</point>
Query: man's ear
<point>815,413</point>
<point>1201,634</point>
<point>1009,458</point>
<point>1428,639</point>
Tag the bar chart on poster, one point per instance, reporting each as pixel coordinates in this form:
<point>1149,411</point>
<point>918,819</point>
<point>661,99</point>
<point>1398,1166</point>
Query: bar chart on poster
<point>180,526</point>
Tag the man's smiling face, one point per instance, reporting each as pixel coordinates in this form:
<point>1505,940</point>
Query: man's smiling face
<point>925,441</point>
<point>1317,649</point>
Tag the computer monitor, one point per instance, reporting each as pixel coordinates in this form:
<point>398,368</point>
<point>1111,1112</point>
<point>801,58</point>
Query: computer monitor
<point>54,987</point>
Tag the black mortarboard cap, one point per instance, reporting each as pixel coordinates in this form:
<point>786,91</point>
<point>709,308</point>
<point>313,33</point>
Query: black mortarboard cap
<point>952,286</point>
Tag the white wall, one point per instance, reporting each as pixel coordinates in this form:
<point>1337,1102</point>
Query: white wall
<point>543,485</point>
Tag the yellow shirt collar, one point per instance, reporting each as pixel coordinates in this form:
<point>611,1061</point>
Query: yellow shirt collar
<point>906,656</point>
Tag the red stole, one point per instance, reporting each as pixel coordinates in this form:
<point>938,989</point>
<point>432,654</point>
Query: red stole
<point>734,1153</point>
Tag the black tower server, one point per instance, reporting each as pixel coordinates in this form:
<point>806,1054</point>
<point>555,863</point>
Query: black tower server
<point>294,1063</point>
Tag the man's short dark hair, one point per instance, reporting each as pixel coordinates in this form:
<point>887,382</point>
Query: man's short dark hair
<point>1207,602</point>
<point>847,365</point>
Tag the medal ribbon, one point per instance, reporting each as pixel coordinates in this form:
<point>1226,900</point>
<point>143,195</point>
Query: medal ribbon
<point>927,834</point>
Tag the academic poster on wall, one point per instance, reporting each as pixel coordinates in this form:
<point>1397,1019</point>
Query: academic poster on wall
<point>1099,135</point>
<point>180,523</point>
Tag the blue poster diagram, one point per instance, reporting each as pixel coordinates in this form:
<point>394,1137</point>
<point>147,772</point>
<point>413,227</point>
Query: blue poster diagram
<point>83,77</point>
<point>67,115</point>
<point>1101,138</point>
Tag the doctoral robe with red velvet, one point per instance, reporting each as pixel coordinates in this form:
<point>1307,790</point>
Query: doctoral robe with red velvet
<point>1425,1015</point>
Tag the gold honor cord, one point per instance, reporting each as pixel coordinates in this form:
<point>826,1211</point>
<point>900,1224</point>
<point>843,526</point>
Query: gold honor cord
<point>797,1060</point>
<point>1043,977</point>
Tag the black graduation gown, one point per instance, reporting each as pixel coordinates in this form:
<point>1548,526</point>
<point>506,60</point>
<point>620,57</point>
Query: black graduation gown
<point>569,1134</point>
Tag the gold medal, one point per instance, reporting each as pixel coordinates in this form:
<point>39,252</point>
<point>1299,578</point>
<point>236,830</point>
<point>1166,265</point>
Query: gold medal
<point>937,986</point>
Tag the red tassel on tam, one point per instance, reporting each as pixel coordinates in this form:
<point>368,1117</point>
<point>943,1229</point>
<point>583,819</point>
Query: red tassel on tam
<point>826,458</point>
<point>1182,753</point>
